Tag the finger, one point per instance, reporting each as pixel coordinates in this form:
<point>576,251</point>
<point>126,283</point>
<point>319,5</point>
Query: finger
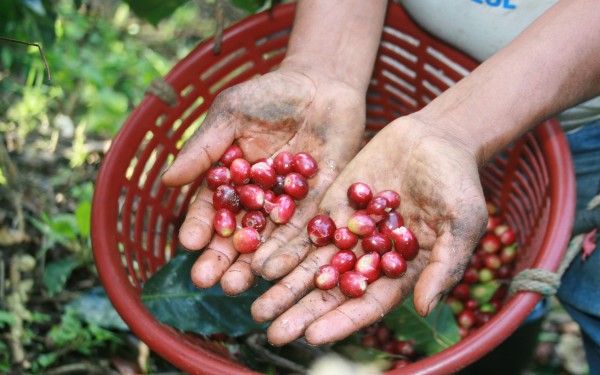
<point>203,150</point>
<point>197,229</point>
<point>284,238</point>
<point>290,289</point>
<point>449,258</point>
<point>213,262</point>
<point>239,277</point>
<point>356,313</point>
<point>292,324</point>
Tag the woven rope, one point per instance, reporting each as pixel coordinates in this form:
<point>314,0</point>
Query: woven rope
<point>543,281</point>
<point>162,90</point>
<point>547,282</point>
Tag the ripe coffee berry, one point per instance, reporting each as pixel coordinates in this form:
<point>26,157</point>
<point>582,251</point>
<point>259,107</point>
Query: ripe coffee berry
<point>233,152</point>
<point>343,238</point>
<point>376,242</point>
<point>393,265</point>
<point>254,219</point>
<point>226,196</point>
<point>327,277</point>
<point>305,164</point>
<point>295,185</point>
<point>344,260</point>
<point>392,197</point>
<point>405,242</point>
<point>377,208</point>
<point>321,229</point>
<point>252,197</point>
<point>353,284</point>
<point>283,163</point>
<point>361,224</point>
<point>282,209</point>
<point>369,266</point>
<point>240,171</point>
<point>359,195</point>
<point>217,176</point>
<point>246,240</point>
<point>224,222</point>
<point>263,175</point>
<point>392,220</point>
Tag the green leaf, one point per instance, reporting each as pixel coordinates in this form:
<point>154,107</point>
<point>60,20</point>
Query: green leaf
<point>483,292</point>
<point>250,6</point>
<point>57,273</point>
<point>6,318</point>
<point>154,10</point>
<point>95,308</point>
<point>431,334</point>
<point>83,214</point>
<point>374,358</point>
<point>170,295</point>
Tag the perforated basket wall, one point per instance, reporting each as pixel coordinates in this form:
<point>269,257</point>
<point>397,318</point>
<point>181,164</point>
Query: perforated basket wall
<point>135,218</point>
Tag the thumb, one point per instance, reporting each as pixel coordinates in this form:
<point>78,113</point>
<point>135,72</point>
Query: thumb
<point>449,258</point>
<point>201,151</point>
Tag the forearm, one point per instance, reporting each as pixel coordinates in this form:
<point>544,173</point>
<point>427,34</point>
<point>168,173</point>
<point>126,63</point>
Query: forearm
<point>552,65</point>
<point>337,38</point>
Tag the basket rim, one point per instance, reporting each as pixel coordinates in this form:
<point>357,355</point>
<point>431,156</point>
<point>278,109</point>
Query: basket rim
<point>187,356</point>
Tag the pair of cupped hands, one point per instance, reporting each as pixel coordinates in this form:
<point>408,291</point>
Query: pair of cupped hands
<point>435,174</point>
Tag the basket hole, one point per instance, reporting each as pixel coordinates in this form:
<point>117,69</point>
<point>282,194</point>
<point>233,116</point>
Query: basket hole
<point>439,56</point>
<point>399,81</point>
<point>236,72</point>
<point>160,120</point>
<point>224,61</point>
<point>189,132</point>
<point>161,165</point>
<point>150,167</point>
<point>398,66</point>
<point>187,90</point>
<point>271,54</point>
<point>439,74</point>
<point>132,168</point>
<point>276,35</point>
<point>197,103</point>
<point>400,95</point>
<point>399,51</point>
<point>436,91</point>
<point>402,36</point>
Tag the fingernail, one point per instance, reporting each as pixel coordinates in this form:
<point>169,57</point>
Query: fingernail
<point>433,304</point>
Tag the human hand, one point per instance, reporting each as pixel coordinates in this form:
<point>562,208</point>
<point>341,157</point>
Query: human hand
<point>280,111</point>
<point>442,202</point>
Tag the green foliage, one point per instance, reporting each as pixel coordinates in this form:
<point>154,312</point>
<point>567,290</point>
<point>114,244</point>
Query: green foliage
<point>172,298</point>
<point>94,307</point>
<point>431,334</point>
<point>6,319</point>
<point>155,11</point>
<point>28,20</point>
<point>74,335</point>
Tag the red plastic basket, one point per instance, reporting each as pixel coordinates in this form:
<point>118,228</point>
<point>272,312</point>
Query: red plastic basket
<point>135,218</point>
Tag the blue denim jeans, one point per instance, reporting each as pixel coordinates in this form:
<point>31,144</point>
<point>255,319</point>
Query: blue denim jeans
<point>579,292</point>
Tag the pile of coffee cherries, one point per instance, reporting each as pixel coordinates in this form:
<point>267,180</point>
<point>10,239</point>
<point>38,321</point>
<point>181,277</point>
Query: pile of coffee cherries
<point>266,189</point>
<point>387,244</point>
<point>491,266</point>
<point>379,336</point>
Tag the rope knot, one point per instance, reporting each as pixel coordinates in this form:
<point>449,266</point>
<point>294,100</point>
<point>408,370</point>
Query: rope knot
<point>535,280</point>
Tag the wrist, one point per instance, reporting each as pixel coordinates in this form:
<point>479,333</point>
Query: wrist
<point>319,67</point>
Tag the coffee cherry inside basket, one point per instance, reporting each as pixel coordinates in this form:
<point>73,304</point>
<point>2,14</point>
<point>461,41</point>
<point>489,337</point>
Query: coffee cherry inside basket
<point>482,291</point>
<point>387,245</point>
<point>266,190</point>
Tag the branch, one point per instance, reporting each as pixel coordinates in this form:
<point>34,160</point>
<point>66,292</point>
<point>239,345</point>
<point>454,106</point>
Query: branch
<point>31,44</point>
